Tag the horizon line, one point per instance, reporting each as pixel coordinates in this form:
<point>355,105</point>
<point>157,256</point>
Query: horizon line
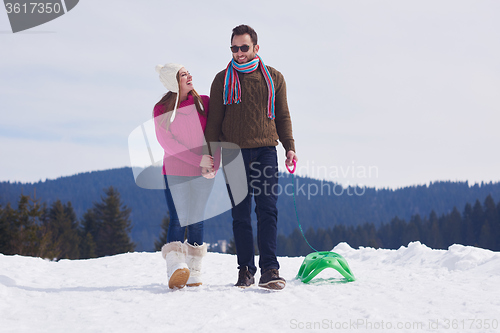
<point>427,184</point>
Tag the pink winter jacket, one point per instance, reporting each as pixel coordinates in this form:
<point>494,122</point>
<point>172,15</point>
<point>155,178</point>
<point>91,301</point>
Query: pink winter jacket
<point>184,140</point>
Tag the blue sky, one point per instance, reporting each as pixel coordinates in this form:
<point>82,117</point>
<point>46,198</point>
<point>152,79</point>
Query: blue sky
<point>410,89</point>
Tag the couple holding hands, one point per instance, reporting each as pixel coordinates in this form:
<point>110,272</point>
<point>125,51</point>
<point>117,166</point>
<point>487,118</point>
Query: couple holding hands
<point>248,109</point>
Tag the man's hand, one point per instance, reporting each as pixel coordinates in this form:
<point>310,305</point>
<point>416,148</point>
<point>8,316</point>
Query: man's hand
<point>207,173</point>
<point>290,156</point>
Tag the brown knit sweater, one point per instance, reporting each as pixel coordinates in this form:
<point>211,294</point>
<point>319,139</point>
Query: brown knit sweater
<point>246,123</point>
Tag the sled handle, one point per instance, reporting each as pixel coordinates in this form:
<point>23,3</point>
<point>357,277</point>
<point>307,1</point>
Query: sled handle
<point>294,167</point>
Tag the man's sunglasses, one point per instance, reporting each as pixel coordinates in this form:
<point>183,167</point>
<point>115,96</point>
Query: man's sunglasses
<point>243,48</point>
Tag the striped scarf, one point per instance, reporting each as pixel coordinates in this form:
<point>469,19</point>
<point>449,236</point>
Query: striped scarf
<point>232,87</point>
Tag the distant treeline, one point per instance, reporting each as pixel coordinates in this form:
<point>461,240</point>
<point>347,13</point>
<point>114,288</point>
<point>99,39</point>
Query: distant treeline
<point>34,229</point>
<point>321,204</point>
<point>55,232</point>
<point>478,225</point>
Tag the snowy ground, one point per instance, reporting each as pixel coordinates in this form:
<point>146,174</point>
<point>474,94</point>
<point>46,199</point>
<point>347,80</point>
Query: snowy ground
<point>413,289</point>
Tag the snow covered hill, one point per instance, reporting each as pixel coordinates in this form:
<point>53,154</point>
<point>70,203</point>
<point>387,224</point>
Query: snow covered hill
<point>413,289</point>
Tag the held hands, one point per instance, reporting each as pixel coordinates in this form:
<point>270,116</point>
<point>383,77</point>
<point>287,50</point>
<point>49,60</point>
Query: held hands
<point>205,172</point>
<point>207,161</point>
<point>207,167</point>
<point>290,156</point>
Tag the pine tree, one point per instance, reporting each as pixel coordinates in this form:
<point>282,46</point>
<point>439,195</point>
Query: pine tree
<point>296,244</point>
<point>397,228</point>
<point>73,236</point>
<point>280,245</point>
<point>496,231</point>
<point>490,210</point>
<point>164,232</point>
<point>114,226</point>
<point>26,218</point>
<point>492,217</point>
<point>358,237</point>
<point>435,238</point>
<point>486,240</point>
<point>23,230</point>
<point>384,233</point>
<point>411,232</point>
<point>373,239</point>
<point>88,234</point>
<point>289,247</point>
<point>327,243</point>
<point>451,228</point>
<point>49,246</point>
<point>467,226</point>
<point>63,226</point>
<point>337,234</point>
<point>477,220</point>
<point>6,229</point>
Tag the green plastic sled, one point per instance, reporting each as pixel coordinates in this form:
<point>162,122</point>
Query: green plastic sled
<point>315,262</point>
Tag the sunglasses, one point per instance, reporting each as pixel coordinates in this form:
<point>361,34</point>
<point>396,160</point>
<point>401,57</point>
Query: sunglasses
<point>243,48</point>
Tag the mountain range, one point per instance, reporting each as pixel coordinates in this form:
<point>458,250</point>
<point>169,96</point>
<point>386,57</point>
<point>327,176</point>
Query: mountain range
<point>319,204</point>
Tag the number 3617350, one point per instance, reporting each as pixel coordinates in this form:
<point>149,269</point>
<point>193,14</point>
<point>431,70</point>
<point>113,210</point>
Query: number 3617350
<point>33,7</point>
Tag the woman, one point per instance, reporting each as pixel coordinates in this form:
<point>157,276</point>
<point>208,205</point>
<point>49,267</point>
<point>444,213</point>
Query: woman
<point>180,120</point>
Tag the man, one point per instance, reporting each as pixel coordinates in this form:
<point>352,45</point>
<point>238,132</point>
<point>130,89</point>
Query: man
<point>248,107</point>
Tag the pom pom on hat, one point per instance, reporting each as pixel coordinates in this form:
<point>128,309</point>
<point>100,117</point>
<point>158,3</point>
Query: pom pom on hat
<point>168,76</point>
<point>158,68</point>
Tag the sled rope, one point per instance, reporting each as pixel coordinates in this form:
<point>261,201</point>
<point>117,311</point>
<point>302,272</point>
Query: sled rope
<point>317,261</point>
<point>295,203</point>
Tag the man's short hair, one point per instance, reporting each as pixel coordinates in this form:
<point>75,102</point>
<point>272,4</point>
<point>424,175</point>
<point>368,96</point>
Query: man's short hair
<point>245,29</point>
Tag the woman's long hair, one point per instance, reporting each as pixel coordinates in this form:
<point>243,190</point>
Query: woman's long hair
<point>167,102</point>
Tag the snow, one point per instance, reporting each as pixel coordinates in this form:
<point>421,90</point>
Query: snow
<point>412,289</point>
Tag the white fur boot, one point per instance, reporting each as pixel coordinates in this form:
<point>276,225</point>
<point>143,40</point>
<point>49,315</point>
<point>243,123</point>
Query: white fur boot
<point>194,256</point>
<point>177,269</point>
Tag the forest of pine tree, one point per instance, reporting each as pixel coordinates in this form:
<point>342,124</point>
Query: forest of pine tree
<point>325,211</point>
<point>478,225</point>
<point>54,232</point>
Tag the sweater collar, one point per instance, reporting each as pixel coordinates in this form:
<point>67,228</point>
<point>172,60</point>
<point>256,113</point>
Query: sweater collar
<point>183,107</point>
<point>187,102</point>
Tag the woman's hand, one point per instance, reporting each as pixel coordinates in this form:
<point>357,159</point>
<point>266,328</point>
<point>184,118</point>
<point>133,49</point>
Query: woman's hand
<point>207,161</point>
<point>207,167</point>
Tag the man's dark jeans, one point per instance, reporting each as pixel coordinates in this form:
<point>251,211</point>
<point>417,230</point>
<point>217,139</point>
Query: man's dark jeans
<point>261,166</point>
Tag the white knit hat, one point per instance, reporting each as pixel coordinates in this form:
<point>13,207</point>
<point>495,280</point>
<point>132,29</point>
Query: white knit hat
<point>168,76</point>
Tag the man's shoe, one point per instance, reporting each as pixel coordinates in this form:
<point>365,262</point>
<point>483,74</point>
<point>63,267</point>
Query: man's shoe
<point>271,279</point>
<point>245,278</point>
